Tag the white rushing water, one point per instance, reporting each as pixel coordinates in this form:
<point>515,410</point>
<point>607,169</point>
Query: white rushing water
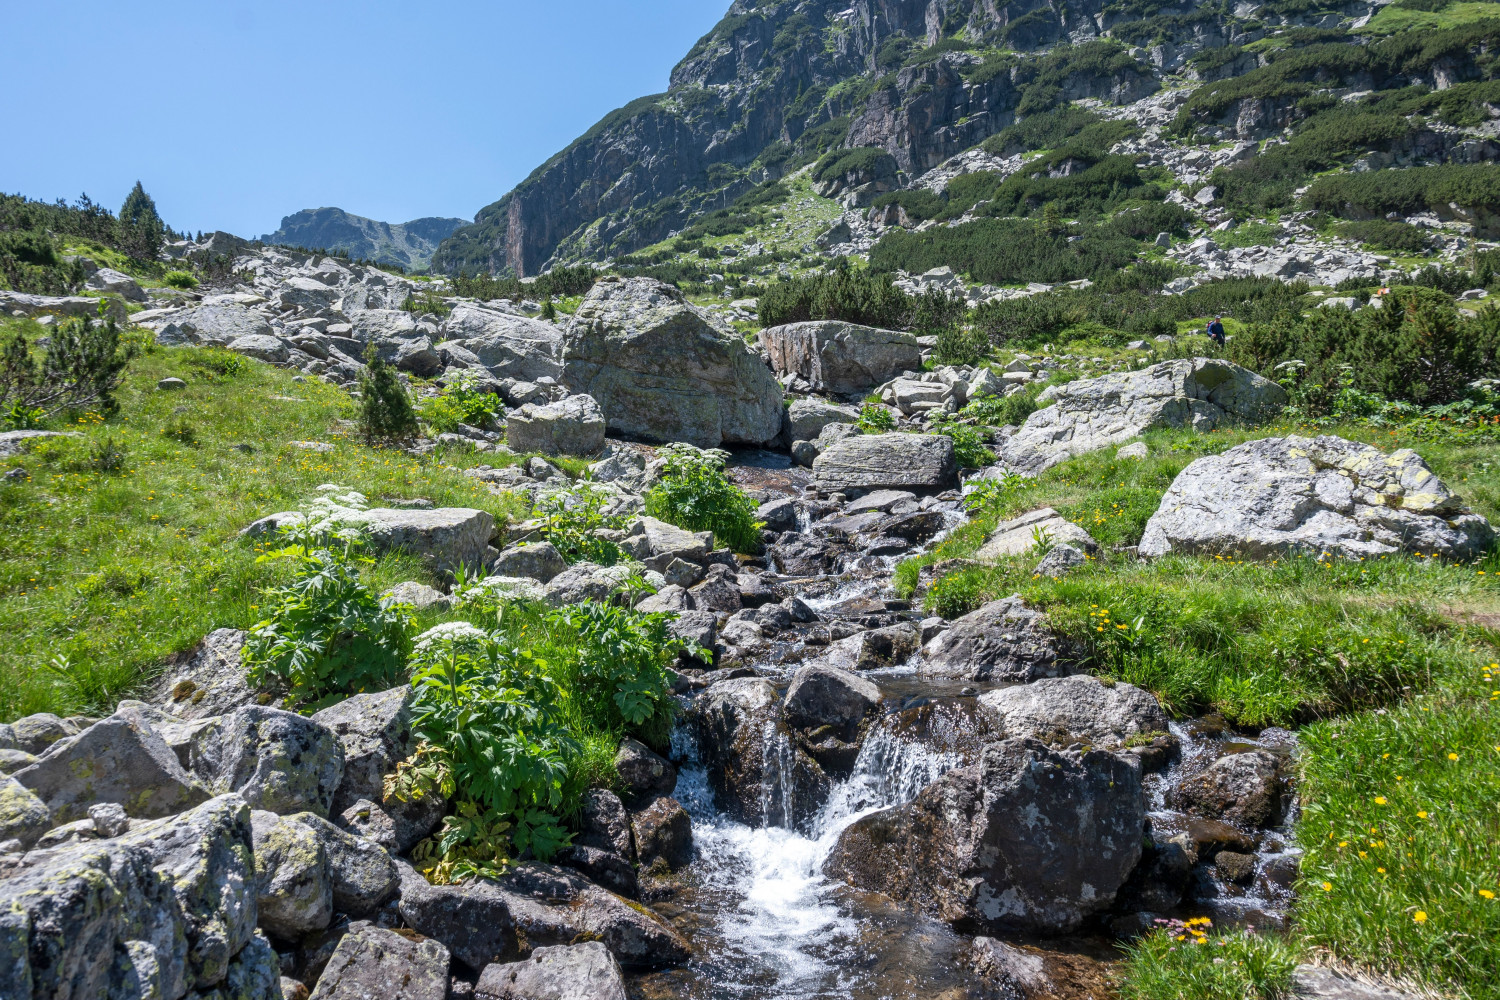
<point>777,926</point>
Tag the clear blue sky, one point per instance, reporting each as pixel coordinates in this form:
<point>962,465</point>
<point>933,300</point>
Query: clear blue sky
<point>235,113</point>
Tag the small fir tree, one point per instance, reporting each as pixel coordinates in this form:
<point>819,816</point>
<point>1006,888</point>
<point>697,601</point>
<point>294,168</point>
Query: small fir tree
<point>385,411</point>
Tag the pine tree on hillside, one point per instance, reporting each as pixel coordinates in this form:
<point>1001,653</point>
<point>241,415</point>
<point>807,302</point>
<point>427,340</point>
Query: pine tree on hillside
<point>141,228</point>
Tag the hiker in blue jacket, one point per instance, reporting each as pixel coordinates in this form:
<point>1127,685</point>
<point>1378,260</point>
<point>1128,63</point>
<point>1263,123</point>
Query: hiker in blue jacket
<point>1216,331</point>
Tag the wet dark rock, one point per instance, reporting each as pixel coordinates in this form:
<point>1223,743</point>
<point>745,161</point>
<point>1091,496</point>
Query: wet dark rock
<point>874,649</point>
<point>797,554</point>
<point>604,823</point>
<point>1235,867</point>
<point>719,591</point>
<point>1210,836</point>
<point>1278,873</point>
<point>1002,641</point>
<point>663,834</point>
<point>607,868</point>
<point>643,772</point>
<point>916,527</point>
<point>1027,839</point>
<point>823,697</point>
<point>373,962</point>
<point>778,515</point>
<point>1242,788</point>
<point>799,610</point>
<point>754,783</point>
<point>1080,707</point>
<point>1162,878</point>
<point>756,590</point>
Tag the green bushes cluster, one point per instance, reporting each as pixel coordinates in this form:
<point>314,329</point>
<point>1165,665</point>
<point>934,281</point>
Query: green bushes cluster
<point>1416,189</point>
<point>385,410</point>
<point>1385,234</point>
<point>844,293</point>
<point>1006,251</point>
<point>694,493</point>
<point>560,282</point>
<point>461,402</point>
<point>80,368</point>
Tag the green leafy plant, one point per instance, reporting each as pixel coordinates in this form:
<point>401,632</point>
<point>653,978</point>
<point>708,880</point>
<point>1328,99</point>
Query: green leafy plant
<point>385,411</point>
<point>325,635</point>
<point>994,497</point>
<point>876,419</point>
<point>461,402</point>
<point>571,519</point>
<point>694,493</point>
<point>968,442</point>
<point>618,671</point>
<point>179,279</point>
<point>426,303</point>
<point>106,456</point>
<point>21,417</point>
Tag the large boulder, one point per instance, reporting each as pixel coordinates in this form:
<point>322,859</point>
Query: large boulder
<point>122,759</point>
<point>278,761</point>
<point>1080,707</point>
<point>114,282</point>
<point>1095,413</point>
<point>663,372</point>
<point>79,306</point>
<point>643,772</point>
<point>534,905</point>
<point>510,346</point>
<point>166,908</point>
<point>757,774</point>
<point>1025,840</point>
<point>823,696</point>
<point>293,891</point>
<point>1277,496</point>
<point>373,963</point>
<point>538,561</point>
<point>1002,641</point>
<point>219,325</point>
<point>807,417</point>
<point>1240,788</point>
<point>23,816</point>
<point>375,733</point>
<point>916,462</point>
<point>844,359</point>
<point>444,538</point>
<point>571,426</point>
<point>585,971</point>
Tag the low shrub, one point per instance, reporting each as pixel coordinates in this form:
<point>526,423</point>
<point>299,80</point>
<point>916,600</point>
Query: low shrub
<point>694,493</point>
<point>876,419</point>
<point>1383,234</point>
<point>968,442</point>
<point>179,279</point>
<point>571,519</point>
<point>842,293</point>
<point>385,410</point>
<point>461,402</point>
<point>80,368</point>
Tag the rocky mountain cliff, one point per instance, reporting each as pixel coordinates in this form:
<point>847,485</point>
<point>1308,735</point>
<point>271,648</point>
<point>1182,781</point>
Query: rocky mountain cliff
<point>408,244</point>
<point>776,85</point>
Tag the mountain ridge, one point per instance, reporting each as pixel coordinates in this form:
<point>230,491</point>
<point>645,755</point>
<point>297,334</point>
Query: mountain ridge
<point>409,245</point>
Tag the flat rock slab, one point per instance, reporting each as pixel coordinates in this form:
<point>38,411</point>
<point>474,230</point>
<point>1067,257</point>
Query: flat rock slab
<point>1080,707</point>
<point>840,358</point>
<point>372,963</point>
<point>584,971</point>
<point>1019,535</point>
<point>1309,981</point>
<point>868,462</point>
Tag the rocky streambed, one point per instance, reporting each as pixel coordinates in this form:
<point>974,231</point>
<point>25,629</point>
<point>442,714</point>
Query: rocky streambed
<point>849,796</point>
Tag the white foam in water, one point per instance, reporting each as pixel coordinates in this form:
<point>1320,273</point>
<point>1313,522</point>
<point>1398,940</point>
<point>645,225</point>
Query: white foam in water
<point>782,932</point>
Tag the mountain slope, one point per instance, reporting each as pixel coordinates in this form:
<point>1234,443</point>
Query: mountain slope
<point>408,244</point>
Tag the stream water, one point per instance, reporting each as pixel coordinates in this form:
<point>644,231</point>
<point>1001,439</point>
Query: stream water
<point>766,923</point>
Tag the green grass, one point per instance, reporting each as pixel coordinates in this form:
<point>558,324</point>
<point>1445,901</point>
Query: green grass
<point>1394,19</point>
<point>103,575</point>
<point>1191,964</point>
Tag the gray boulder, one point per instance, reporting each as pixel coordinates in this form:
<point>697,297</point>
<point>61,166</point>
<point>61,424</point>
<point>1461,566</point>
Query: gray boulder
<point>1277,496</point>
<point>1061,561</point>
<point>661,371</point>
<point>375,733</point>
<point>361,873</point>
<point>778,515</point>
<point>874,648</point>
<point>123,285</point>
<point>261,347</point>
<point>806,418</point>
<point>34,734</point>
<point>1025,840</point>
<point>1002,641</point>
<point>1240,788</point>
<point>1018,536</point>
<point>1095,413</point>
<point>657,543</point>
<point>80,306</point>
<point>822,696</point>
<point>278,761</point>
<point>23,816</point>
<point>510,346</point>
<point>219,325</point>
<point>161,910</point>
<point>395,825</point>
<point>604,823</point>
<point>373,963</point>
<point>1081,707</point>
<point>841,358</point>
<point>571,426</point>
<point>642,771</point>
<point>916,462</point>
<point>293,891</point>
<point>122,759</point>
<point>444,538</point>
<point>209,682</point>
<point>663,833</point>
<point>538,561</point>
<point>418,596</point>
<point>585,581</point>
<point>741,739</point>
<point>535,905</point>
<point>584,971</point>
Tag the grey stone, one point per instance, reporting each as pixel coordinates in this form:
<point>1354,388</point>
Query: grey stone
<point>608,869</point>
<point>1018,535</point>
<point>585,581</point>
<point>719,592</point>
<point>917,462</point>
<point>1276,496</point>
<point>510,346</point>
<point>444,538</point>
<point>23,816</point>
<point>822,696</point>
<point>642,771</point>
<point>806,418</point>
<point>418,596</point>
<point>584,971</point>
<point>373,963</point>
<point>1081,707</point>
<point>261,347</point>
<point>278,761</point>
<point>656,543</point>
<point>538,561</point>
<point>1313,983</point>
<point>116,283</point>
<point>170,384</point>
<point>874,648</point>
<point>1060,561</point>
<point>375,733</point>
<point>1241,788</point>
<point>161,910</point>
<point>1135,449</point>
<point>1024,840</point>
<point>840,358</point>
<point>661,371</point>
<point>1091,414</point>
<point>34,734</point>
<point>122,759</point>
<point>571,426</point>
<point>881,501</point>
<point>109,819</point>
<point>604,823</point>
<point>293,890</point>
<point>13,443</point>
<point>395,825</point>
<point>218,325</point>
<point>1002,641</point>
<point>361,873</point>
<point>778,515</point>
<point>209,682</point>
